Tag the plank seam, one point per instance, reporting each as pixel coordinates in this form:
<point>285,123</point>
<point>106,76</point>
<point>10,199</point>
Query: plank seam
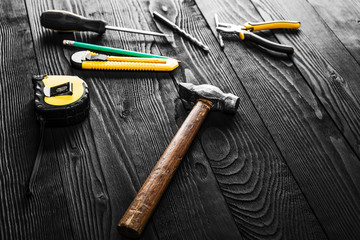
<point>38,71</point>
<point>328,27</point>
<point>62,184</point>
<point>32,36</point>
<point>183,105</point>
<point>307,83</point>
<point>317,98</point>
<point>266,127</point>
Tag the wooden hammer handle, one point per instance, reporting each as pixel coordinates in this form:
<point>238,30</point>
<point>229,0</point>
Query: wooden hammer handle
<point>136,216</point>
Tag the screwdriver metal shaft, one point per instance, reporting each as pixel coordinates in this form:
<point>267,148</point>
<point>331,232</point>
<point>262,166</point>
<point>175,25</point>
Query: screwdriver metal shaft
<point>181,31</point>
<point>136,31</point>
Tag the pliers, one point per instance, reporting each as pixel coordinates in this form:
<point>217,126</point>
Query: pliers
<point>245,32</point>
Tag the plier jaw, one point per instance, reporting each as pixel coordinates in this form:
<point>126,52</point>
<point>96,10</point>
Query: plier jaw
<point>229,28</point>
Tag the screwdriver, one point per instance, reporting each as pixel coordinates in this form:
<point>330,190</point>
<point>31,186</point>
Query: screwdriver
<point>65,21</point>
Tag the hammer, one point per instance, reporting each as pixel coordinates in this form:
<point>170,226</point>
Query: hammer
<point>205,97</point>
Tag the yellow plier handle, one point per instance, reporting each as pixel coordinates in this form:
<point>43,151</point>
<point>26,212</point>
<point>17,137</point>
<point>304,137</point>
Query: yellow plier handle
<point>250,27</point>
<point>271,25</point>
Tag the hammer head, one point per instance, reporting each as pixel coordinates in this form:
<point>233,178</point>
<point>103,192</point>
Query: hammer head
<point>225,102</point>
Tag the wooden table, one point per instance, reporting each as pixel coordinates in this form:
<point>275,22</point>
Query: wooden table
<point>286,166</point>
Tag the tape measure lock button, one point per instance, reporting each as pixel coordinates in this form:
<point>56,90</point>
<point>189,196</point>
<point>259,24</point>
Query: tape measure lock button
<point>60,100</point>
<point>59,90</point>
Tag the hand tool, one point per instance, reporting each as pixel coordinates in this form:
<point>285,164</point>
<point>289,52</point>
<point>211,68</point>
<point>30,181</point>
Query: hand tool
<point>221,41</point>
<point>65,21</point>
<point>59,101</point>
<point>109,49</point>
<point>90,60</point>
<point>245,32</point>
<point>205,97</point>
<point>173,26</point>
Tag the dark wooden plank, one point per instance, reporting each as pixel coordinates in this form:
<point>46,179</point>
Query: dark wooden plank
<point>247,164</point>
<point>332,73</point>
<point>187,208</point>
<point>319,157</point>
<point>327,66</point>
<point>342,17</point>
<point>23,216</point>
<point>133,117</point>
<point>97,181</point>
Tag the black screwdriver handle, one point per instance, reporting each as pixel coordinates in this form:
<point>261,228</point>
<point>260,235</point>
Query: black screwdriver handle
<point>246,35</point>
<point>64,21</point>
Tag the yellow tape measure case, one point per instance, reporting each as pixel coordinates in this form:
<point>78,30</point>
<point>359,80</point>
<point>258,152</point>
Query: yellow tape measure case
<point>60,100</point>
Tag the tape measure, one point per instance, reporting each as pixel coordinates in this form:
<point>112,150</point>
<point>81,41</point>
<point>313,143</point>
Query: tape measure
<point>60,100</point>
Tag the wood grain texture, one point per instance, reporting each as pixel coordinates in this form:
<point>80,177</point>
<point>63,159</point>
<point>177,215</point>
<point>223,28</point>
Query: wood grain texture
<point>24,216</point>
<point>332,77</point>
<point>96,179</point>
<point>318,155</point>
<point>104,160</point>
<point>279,169</point>
<point>141,109</point>
<point>342,18</point>
<point>271,214</point>
<point>135,218</point>
<point>187,209</point>
<point>325,63</point>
